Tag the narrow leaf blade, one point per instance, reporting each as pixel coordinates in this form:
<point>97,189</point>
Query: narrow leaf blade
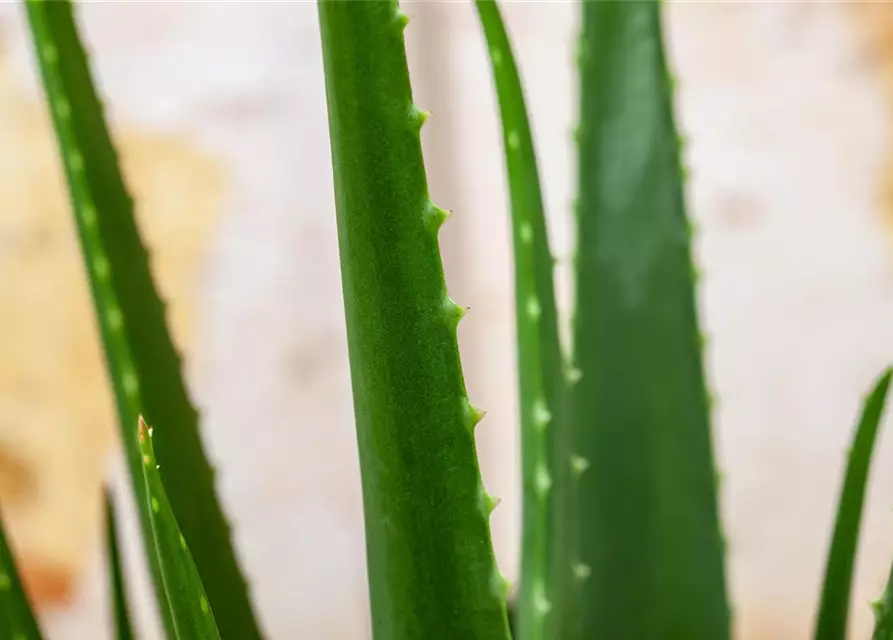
<point>835,603</point>
<point>123,626</point>
<point>649,518</point>
<point>547,556</point>
<point>189,607</point>
<point>883,612</point>
<point>17,620</point>
<point>432,572</point>
<point>143,365</point>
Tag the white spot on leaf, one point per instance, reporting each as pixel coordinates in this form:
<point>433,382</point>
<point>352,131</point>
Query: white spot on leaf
<point>541,415</point>
<point>542,481</point>
<point>579,464</point>
<point>541,604</point>
<point>534,310</point>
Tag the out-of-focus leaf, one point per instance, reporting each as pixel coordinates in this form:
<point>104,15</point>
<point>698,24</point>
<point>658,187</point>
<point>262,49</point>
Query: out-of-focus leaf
<point>17,621</point>
<point>123,627</point>
<point>143,365</point>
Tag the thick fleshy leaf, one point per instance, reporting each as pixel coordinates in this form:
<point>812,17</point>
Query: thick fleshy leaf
<point>548,555</point>
<point>17,620</point>
<point>120,606</point>
<point>432,572</point>
<point>143,365</point>
<point>649,525</point>
<point>835,603</point>
<point>186,598</point>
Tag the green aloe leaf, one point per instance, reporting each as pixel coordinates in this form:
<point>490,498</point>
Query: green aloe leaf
<point>835,604</point>
<point>189,607</point>
<point>17,621</point>
<point>650,529</point>
<point>143,365</point>
<point>547,557</point>
<point>123,626</point>
<point>432,572</point>
<point>883,612</point>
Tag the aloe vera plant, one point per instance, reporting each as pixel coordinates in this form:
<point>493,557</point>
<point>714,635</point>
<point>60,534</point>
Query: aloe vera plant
<point>189,608</point>
<point>547,556</point>
<point>640,407</point>
<point>16,618</point>
<point>143,364</point>
<point>432,571</point>
<point>835,601</point>
<point>621,532</point>
<point>123,625</point>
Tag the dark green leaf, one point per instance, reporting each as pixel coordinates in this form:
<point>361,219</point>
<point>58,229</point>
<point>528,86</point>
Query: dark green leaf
<point>17,621</point>
<point>650,530</point>
<point>835,604</point>
<point>123,627</point>
<point>143,365</point>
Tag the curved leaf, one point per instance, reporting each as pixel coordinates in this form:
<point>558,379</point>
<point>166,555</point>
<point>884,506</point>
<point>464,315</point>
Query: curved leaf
<point>143,365</point>
<point>123,627</point>
<point>189,607</point>
<point>547,554</point>
<point>17,621</point>
<point>835,603</point>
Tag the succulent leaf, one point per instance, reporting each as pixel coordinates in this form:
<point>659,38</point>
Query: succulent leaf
<point>123,626</point>
<point>834,607</point>
<point>547,552</point>
<point>186,598</point>
<point>142,362</point>
<point>649,524</point>
<point>17,620</point>
<point>432,572</point>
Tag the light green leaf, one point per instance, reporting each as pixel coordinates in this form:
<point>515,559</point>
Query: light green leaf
<point>548,552</point>
<point>189,606</point>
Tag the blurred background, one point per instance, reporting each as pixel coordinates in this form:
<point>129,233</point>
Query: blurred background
<point>219,110</point>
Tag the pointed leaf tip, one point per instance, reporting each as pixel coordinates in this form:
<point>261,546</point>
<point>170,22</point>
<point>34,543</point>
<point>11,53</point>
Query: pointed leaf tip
<point>401,18</point>
<point>491,502</point>
<point>477,414</point>
<point>437,217</point>
<point>111,244</point>
<point>418,117</point>
<point>180,577</point>
<point>833,611</point>
<point>454,311</point>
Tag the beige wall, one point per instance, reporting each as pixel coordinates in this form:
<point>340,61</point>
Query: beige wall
<point>786,114</point>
